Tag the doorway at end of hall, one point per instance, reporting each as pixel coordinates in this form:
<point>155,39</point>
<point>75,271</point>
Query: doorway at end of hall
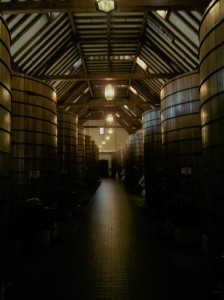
<point>103,168</point>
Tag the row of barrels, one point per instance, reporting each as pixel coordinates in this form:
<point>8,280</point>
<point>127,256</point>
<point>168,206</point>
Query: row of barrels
<point>174,161</point>
<point>51,157</point>
<point>133,161</point>
<point>184,142</point>
<point>47,162</point>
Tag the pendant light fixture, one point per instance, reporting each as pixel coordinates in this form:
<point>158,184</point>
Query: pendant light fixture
<point>110,119</point>
<point>110,131</point>
<point>106,5</point>
<point>109,92</point>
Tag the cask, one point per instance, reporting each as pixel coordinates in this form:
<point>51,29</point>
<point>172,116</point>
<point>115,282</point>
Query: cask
<point>34,143</point>
<point>181,140</point>
<point>211,56</point>
<point>153,160</point>
<point>67,141</point>
<point>5,129</point>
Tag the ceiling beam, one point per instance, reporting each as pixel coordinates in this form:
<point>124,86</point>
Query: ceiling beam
<point>139,44</point>
<point>101,103</point>
<point>111,126</point>
<point>72,23</point>
<point>127,119</point>
<point>14,7</point>
<point>107,77</point>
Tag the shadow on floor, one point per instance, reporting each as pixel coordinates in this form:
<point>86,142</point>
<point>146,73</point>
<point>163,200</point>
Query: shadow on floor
<point>27,268</point>
<point>186,252</point>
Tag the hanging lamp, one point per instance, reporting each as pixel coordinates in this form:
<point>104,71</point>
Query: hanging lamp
<point>106,5</point>
<point>109,92</point>
<point>110,131</point>
<point>110,119</point>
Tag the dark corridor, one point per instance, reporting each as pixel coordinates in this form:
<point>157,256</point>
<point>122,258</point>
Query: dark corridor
<point>111,253</point>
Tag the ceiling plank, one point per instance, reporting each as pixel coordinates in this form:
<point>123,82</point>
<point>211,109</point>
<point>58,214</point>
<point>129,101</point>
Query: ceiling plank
<point>71,20</point>
<point>139,44</point>
<point>45,28</point>
<point>22,32</point>
<point>108,44</point>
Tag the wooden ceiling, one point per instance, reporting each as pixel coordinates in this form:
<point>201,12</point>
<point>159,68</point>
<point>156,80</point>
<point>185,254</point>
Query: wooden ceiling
<point>78,50</point>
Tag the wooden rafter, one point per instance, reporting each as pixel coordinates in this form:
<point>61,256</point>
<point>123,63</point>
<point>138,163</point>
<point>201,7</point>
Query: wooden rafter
<point>107,77</point>
<point>89,5</point>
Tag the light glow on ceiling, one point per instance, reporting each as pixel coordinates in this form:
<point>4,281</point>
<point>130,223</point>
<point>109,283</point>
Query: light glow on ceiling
<point>162,13</point>
<point>141,63</point>
<point>133,90</point>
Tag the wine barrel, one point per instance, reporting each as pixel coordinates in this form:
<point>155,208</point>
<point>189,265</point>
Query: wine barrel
<point>181,139</point>
<point>126,172</point>
<point>139,151</point>
<point>5,131</point>
<point>212,115</point>
<point>88,157</point>
<point>34,142</point>
<point>153,159</point>
<point>136,164</point>
<point>81,161</point>
<point>93,163</point>
<point>120,161</point>
<point>67,150</point>
<point>96,160</point>
<point>130,167</point>
<point>67,138</point>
